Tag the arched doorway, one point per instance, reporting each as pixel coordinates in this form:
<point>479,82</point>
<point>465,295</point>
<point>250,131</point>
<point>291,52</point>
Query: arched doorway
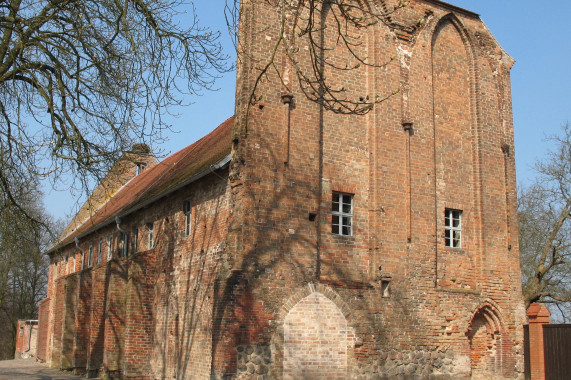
<point>485,338</point>
<point>315,340</point>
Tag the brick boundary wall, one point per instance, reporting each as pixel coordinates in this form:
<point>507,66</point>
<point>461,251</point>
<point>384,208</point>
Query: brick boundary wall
<point>43,321</point>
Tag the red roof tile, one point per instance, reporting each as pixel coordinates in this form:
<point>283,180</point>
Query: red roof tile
<point>161,178</point>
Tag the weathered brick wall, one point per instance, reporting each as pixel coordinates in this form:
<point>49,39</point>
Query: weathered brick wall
<point>140,314</point>
<point>57,318</point>
<point>99,287</point>
<point>82,321</point>
<point>43,323</point>
<point>70,297</point>
<point>114,335</point>
<point>453,82</point>
<point>26,339</point>
<point>149,314</point>
<point>187,268</point>
<point>315,339</point>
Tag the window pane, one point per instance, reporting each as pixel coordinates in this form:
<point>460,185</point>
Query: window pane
<point>456,238</point>
<point>335,229</point>
<point>447,238</point>
<point>335,219</point>
<point>346,230</point>
<point>335,206</point>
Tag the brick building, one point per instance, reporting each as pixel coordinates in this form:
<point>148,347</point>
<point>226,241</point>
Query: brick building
<point>294,242</point>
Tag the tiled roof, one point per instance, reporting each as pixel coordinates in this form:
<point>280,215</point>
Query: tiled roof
<point>162,178</point>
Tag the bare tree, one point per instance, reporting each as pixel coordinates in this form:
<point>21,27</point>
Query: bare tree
<point>81,80</point>
<point>24,235</point>
<point>311,56</point>
<point>545,229</point>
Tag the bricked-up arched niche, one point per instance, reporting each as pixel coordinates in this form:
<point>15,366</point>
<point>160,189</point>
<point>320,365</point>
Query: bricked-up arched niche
<point>455,146</point>
<point>316,338</point>
<point>486,343</point>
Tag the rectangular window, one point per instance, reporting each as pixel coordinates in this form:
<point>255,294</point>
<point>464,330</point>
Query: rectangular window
<point>453,228</point>
<point>90,256</point>
<point>136,240</point>
<point>342,214</point>
<point>187,207</point>
<point>99,253</point>
<point>140,167</point>
<point>109,243</point>
<point>124,251</point>
<point>150,235</point>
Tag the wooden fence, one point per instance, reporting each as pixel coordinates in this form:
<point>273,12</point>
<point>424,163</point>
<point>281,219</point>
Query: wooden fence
<point>557,351</point>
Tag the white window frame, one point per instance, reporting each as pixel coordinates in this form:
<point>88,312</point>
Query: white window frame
<point>90,256</point>
<point>187,210</point>
<point>453,228</point>
<point>109,246</point>
<point>125,244</point>
<point>150,235</point>
<point>342,214</point>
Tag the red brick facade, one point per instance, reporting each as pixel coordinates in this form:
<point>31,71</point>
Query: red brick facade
<point>262,288</point>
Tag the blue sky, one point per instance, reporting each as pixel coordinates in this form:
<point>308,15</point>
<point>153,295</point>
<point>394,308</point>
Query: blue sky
<point>534,33</point>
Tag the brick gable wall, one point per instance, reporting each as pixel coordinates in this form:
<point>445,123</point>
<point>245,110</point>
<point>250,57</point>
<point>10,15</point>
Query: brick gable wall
<point>440,142</point>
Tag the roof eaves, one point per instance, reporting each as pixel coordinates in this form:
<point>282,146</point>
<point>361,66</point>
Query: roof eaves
<point>210,169</point>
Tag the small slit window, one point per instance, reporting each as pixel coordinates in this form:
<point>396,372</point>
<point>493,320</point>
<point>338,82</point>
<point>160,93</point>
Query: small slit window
<point>342,214</point>
<point>90,256</point>
<point>99,251</point>
<point>109,244</point>
<point>187,209</point>
<point>453,228</point>
<point>150,235</point>
<point>140,167</point>
<point>136,240</point>
<point>124,251</point>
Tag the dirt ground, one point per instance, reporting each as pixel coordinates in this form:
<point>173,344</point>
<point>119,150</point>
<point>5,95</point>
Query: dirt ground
<point>29,369</point>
